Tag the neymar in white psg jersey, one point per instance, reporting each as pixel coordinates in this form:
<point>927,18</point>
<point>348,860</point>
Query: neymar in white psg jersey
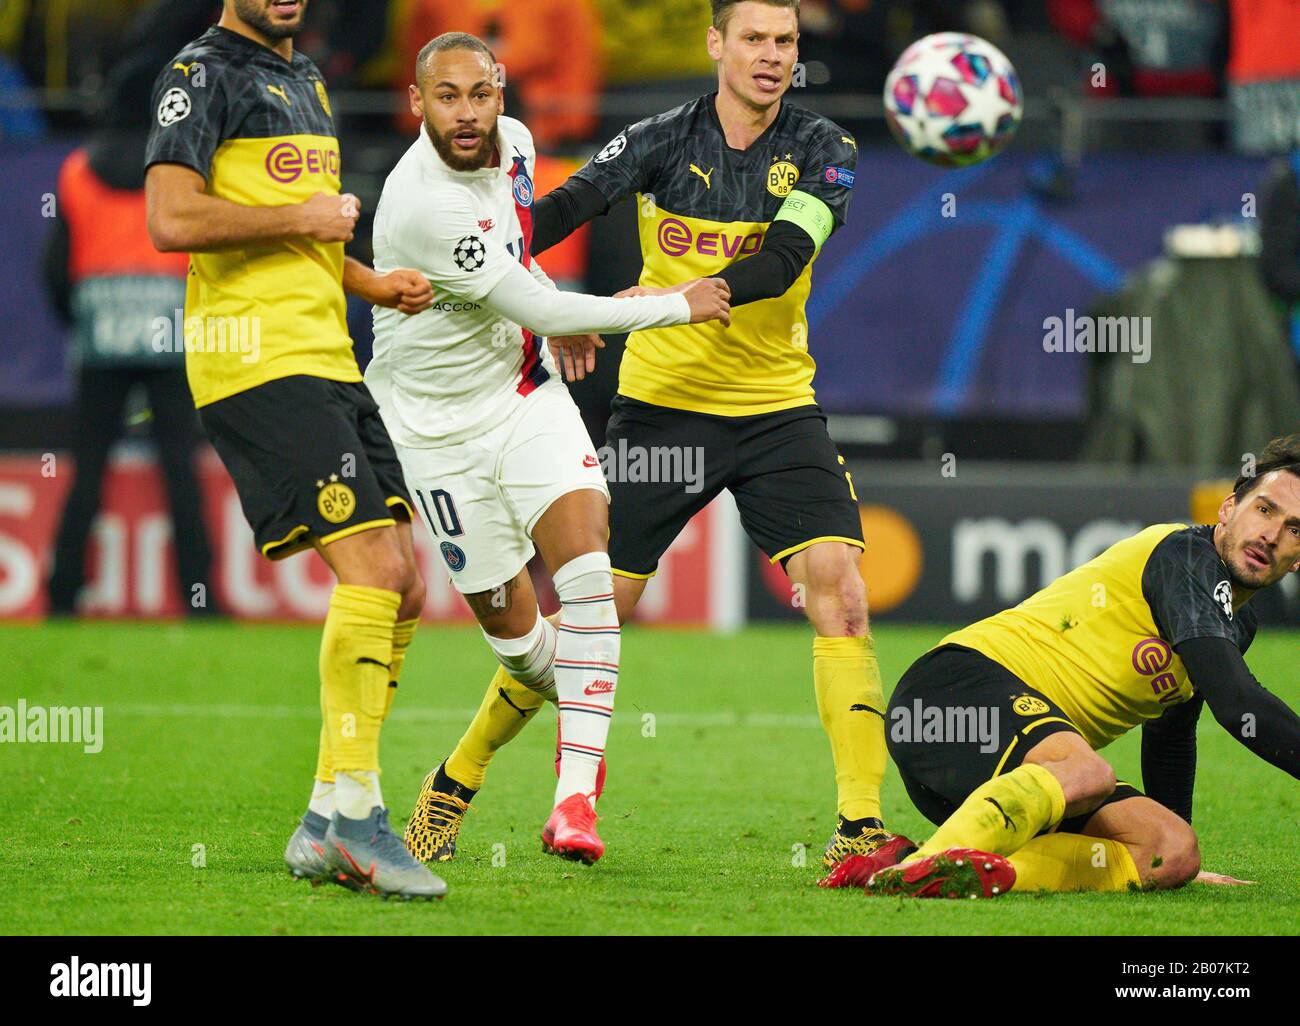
<point>491,445</point>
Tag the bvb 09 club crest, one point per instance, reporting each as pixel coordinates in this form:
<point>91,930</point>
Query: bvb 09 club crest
<point>1028,705</point>
<point>336,502</point>
<point>323,97</point>
<point>781,179</point>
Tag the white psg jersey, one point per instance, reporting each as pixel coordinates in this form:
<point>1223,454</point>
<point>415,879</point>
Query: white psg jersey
<point>446,372</point>
<point>461,366</point>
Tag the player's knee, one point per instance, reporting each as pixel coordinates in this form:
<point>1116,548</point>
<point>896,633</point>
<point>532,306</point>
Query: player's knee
<point>413,596</point>
<point>387,568</point>
<point>1093,781</point>
<point>1175,855</point>
<point>586,579</point>
<point>837,598</point>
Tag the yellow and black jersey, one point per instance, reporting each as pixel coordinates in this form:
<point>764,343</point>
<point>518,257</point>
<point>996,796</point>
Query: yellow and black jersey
<point>702,206</point>
<point>260,131</point>
<point>1099,641</point>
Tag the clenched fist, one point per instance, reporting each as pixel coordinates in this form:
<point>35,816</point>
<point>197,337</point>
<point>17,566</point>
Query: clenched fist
<point>328,218</point>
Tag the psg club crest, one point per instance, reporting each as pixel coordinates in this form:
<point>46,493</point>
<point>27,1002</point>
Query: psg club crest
<point>454,555</point>
<point>523,184</point>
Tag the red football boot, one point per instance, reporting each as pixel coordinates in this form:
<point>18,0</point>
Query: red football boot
<point>600,772</point>
<point>955,873</point>
<point>856,870</point>
<point>571,831</point>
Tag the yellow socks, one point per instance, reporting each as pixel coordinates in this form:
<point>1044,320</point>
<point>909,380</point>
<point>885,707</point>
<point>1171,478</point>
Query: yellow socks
<point>1074,862</point>
<point>851,703</point>
<point>506,708</point>
<point>403,632</point>
<point>1001,815</point>
<point>355,656</point>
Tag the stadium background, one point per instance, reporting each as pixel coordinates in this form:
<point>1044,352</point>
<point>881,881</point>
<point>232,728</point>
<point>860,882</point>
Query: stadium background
<point>1154,176</point>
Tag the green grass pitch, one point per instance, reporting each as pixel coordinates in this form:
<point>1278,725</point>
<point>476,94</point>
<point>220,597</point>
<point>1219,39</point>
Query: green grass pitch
<point>720,777</point>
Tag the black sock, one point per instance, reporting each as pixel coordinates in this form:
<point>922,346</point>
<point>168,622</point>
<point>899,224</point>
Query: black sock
<point>855,827</point>
<point>444,783</point>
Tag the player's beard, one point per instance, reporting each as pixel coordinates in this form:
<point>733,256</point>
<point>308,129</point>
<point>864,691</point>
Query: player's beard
<point>1244,576</point>
<point>458,160</point>
<point>257,14</point>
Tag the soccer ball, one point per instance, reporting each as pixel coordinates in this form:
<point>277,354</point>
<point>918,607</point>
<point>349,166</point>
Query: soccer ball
<point>953,99</point>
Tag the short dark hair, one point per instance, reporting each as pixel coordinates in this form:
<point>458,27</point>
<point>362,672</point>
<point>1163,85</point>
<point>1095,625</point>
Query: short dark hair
<point>450,41</point>
<point>1280,454</point>
<point>724,9</point>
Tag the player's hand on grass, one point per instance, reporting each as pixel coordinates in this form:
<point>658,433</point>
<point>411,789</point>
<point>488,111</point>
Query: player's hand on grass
<point>328,218</point>
<point>407,291</point>
<point>1220,879</point>
<point>710,300</point>
<point>575,355</point>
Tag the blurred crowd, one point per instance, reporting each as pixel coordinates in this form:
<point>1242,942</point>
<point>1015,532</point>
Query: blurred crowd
<point>576,71</point>
<point>563,56</point>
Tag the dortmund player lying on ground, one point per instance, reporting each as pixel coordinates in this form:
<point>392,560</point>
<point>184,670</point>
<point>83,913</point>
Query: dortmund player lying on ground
<point>1147,633</point>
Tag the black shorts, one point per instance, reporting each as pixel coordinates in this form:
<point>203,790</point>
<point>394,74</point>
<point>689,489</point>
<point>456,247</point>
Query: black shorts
<point>311,461</point>
<point>787,477</point>
<point>958,719</point>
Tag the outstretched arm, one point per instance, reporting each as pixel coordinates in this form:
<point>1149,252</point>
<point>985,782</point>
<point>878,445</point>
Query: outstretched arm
<point>1169,757</point>
<point>564,210</point>
<point>1258,719</point>
<point>522,299</point>
<point>441,235</point>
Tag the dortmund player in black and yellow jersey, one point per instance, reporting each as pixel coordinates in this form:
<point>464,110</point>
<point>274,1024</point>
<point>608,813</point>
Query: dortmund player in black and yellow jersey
<point>747,187</point>
<point>1146,634</point>
<point>243,174</point>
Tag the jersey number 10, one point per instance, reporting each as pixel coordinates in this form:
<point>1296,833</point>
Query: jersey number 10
<point>447,517</point>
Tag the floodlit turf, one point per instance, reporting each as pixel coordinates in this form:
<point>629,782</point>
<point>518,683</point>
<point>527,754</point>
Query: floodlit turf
<point>720,781</point>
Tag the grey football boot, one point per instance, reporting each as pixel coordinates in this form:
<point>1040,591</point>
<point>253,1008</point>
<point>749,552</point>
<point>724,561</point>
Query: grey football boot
<point>366,855</point>
<point>305,853</point>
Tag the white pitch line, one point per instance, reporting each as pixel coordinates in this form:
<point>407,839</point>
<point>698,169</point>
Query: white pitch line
<point>630,717</point>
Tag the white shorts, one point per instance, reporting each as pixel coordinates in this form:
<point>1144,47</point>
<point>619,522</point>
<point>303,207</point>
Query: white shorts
<point>481,498</point>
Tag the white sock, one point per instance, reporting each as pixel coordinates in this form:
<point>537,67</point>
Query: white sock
<point>322,798</point>
<point>357,794</point>
<point>586,669</point>
<point>530,660</point>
